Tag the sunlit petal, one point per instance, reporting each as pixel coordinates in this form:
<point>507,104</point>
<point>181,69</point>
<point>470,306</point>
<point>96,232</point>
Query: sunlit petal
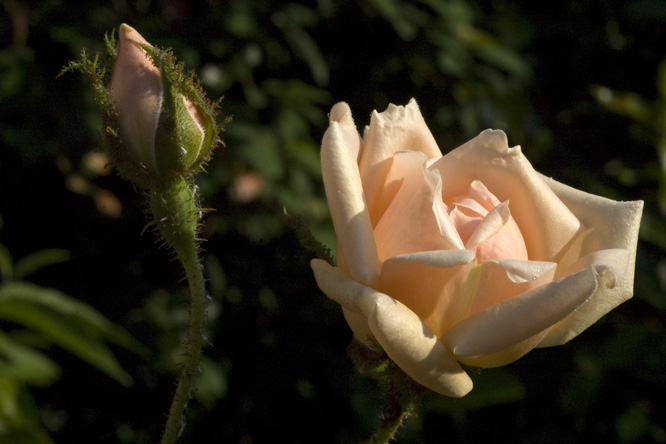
<point>344,192</point>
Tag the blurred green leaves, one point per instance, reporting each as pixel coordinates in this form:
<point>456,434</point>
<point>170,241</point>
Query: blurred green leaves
<point>32,319</point>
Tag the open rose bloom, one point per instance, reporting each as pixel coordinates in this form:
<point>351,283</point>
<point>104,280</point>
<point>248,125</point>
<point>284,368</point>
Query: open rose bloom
<point>470,257</point>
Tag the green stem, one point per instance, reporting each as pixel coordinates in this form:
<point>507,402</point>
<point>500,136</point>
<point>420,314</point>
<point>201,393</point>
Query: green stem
<point>392,418</point>
<point>176,214</point>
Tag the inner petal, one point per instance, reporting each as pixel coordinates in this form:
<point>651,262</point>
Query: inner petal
<point>409,223</point>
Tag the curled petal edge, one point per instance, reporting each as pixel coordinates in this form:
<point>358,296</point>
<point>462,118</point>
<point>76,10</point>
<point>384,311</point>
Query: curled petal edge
<point>614,267</point>
<point>402,335</point>
<point>524,316</point>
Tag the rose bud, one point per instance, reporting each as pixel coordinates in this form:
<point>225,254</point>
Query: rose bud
<point>470,257</point>
<point>164,127</point>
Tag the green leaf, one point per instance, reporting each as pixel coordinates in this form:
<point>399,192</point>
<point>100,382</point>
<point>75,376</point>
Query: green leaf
<point>19,418</point>
<point>6,265</point>
<point>71,324</point>
<point>39,259</point>
<point>212,383</point>
<point>26,364</point>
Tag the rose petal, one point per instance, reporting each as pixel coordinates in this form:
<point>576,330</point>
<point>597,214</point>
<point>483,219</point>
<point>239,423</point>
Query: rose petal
<point>416,350</point>
<point>616,226</point>
<point>500,280</point>
<point>507,355</point>
<point>612,266</point>
<point>519,318</point>
<point>344,192</point>
<point>437,258</point>
<point>409,223</point>
<point>490,225</point>
<point>432,284</point>
<point>398,128</point>
<point>402,335</point>
<point>545,222</point>
<point>136,88</point>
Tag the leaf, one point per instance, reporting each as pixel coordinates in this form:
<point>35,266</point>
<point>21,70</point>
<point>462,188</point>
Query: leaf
<point>39,259</point>
<point>19,418</point>
<point>26,364</point>
<point>6,267</point>
<point>212,383</point>
<point>70,324</point>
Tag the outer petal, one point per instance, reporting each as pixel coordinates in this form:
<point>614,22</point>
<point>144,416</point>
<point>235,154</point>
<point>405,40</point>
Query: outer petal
<point>546,224</point>
<point>406,340</point>
<point>339,152</point>
<point>615,226</point>
<point>136,87</point>
<point>515,320</point>
<point>396,129</point>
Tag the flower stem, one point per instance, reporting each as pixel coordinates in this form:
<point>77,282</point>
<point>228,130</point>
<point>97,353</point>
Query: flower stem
<point>395,412</point>
<point>177,214</point>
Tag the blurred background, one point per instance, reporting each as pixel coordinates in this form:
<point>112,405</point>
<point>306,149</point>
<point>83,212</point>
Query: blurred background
<point>92,311</point>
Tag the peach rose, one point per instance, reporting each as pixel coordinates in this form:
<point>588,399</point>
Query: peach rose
<point>472,256</point>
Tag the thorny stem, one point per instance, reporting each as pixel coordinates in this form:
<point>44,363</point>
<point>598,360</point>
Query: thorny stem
<point>392,419</point>
<point>403,395</point>
<point>177,215</point>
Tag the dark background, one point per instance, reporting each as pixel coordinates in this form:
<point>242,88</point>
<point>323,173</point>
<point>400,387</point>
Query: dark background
<point>575,83</point>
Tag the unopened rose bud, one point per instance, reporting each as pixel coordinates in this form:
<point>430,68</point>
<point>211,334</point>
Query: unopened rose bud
<point>164,127</point>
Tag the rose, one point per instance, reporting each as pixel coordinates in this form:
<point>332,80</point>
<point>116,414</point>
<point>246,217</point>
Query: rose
<point>163,121</point>
<point>472,256</point>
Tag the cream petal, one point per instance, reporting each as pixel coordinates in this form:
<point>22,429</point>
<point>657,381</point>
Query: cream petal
<point>612,266</point>
<point>436,258</point>
<point>398,128</point>
<point>402,335</point>
<point>409,223</point>
<point>546,224</point>
<point>505,356</point>
<point>526,271</point>
<point>521,317</point>
<point>352,295</point>
<point>490,225</point>
<point>416,349</point>
<point>345,196</point>
<point>359,326</point>
<point>615,226</point>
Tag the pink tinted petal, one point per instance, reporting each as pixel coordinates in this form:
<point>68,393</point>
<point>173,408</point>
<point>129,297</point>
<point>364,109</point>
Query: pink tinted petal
<point>436,290</point>
<point>136,88</point>
<point>447,228</point>
<point>481,194</point>
<point>490,225</point>
<point>409,224</point>
<point>344,192</point>
<point>396,129</point>
<point>547,225</point>
<point>517,319</point>
<point>501,280</point>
